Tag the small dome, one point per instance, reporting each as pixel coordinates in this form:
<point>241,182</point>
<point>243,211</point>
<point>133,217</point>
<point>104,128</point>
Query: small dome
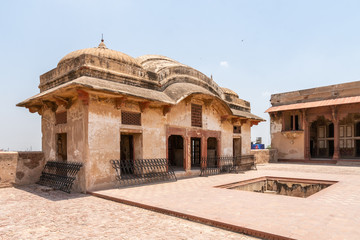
<point>230,92</point>
<point>156,63</point>
<point>102,52</point>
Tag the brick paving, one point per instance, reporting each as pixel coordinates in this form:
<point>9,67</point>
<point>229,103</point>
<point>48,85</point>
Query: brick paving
<point>30,213</point>
<point>333,213</point>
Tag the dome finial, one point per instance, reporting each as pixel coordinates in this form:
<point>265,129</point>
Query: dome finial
<point>102,44</point>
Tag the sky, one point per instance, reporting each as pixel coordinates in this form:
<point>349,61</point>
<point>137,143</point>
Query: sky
<point>256,48</point>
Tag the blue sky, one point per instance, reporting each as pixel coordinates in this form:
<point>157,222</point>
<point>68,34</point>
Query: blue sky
<point>256,48</point>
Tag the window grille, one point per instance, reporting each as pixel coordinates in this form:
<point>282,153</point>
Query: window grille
<point>196,115</point>
<point>131,118</point>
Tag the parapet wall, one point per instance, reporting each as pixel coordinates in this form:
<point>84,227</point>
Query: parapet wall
<point>29,167</point>
<point>8,162</point>
<point>20,168</point>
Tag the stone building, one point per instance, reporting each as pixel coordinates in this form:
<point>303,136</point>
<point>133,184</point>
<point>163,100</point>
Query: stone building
<point>317,124</point>
<point>99,104</point>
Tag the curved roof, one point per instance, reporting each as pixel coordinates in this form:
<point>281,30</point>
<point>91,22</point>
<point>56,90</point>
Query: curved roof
<point>156,63</point>
<point>102,52</point>
<point>230,92</point>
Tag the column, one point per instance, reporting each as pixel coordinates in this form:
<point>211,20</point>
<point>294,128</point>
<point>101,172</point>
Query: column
<point>336,155</point>
<point>187,147</point>
<point>306,125</point>
<point>307,154</point>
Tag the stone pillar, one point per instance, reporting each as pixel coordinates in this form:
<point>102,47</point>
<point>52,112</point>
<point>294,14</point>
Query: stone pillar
<point>306,125</point>
<point>335,120</point>
<point>187,158</point>
<point>336,155</point>
<point>283,122</point>
<point>203,151</point>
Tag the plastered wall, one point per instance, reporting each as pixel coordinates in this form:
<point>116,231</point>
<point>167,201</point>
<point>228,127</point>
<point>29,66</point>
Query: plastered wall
<point>76,130</point>
<point>94,134</point>
<point>290,145</point>
<point>20,168</point>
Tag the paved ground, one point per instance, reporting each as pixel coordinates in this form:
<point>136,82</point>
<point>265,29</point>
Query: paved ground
<point>333,213</point>
<point>30,213</point>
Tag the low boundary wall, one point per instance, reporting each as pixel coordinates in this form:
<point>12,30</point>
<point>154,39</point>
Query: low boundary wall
<point>20,168</point>
<point>265,155</point>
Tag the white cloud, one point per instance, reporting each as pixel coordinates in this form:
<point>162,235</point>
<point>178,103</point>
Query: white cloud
<point>224,64</point>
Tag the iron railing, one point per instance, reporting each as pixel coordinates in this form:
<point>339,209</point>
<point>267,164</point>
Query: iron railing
<point>59,175</point>
<point>142,171</point>
<point>226,164</point>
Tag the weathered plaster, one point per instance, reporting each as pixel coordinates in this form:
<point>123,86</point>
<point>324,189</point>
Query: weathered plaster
<point>8,162</point>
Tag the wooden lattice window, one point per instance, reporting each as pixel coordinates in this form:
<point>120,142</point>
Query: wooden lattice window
<point>131,118</point>
<point>60,118</point>
<point>196,115</point>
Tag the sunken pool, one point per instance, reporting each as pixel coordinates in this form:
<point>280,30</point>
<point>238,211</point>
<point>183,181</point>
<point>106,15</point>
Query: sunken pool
<point>294,187</point>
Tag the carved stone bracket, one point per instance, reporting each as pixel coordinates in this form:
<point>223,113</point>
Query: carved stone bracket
<point>35,108</point>
<point>235,120</point>
<point>83,96</point>
<point>254,123</point>
<point>66,102</point>
<point>120,102</point>
<point>334,113</point>
<point>243,121</point>
<point>51,105</point>
<point>224,118</point>
<point>166,109</point>
<point>143,105</point>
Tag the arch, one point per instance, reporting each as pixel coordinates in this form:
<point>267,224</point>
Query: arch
<point>321,138</point>
<point>221,103</point>
<point>170,71</point>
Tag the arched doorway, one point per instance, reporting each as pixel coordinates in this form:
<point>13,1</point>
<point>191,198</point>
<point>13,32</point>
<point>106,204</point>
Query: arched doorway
<point>176,151</point>
<point>322,138</point>
<point>349,136</point>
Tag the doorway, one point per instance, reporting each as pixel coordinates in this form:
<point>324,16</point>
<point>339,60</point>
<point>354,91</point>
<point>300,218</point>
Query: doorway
<point>212,152</point>
<point>331,148</point>
<point>195,152</point>
<point>176,151</point>
<point>236,147</point>
<point>357,145</point>
<point>127,154</point>
<point>61,147</point>
<point>211,147</point>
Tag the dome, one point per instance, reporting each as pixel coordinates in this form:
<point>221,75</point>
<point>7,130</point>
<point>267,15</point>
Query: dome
<point>156,63</point>
<point>102,52</point>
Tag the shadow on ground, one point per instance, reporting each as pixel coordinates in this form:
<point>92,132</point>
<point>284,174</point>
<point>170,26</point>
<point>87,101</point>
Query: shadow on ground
<point>49,193</point>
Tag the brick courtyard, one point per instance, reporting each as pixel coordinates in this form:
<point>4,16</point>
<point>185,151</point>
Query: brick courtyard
<point>334,213</point>
<point>30,213</point>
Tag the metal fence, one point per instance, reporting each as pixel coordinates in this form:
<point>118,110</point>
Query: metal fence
<point>226,164</point>
<point>142,171</point>
<point>59,175</point>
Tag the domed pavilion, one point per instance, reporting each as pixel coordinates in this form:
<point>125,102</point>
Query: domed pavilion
<point>100,104</point>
